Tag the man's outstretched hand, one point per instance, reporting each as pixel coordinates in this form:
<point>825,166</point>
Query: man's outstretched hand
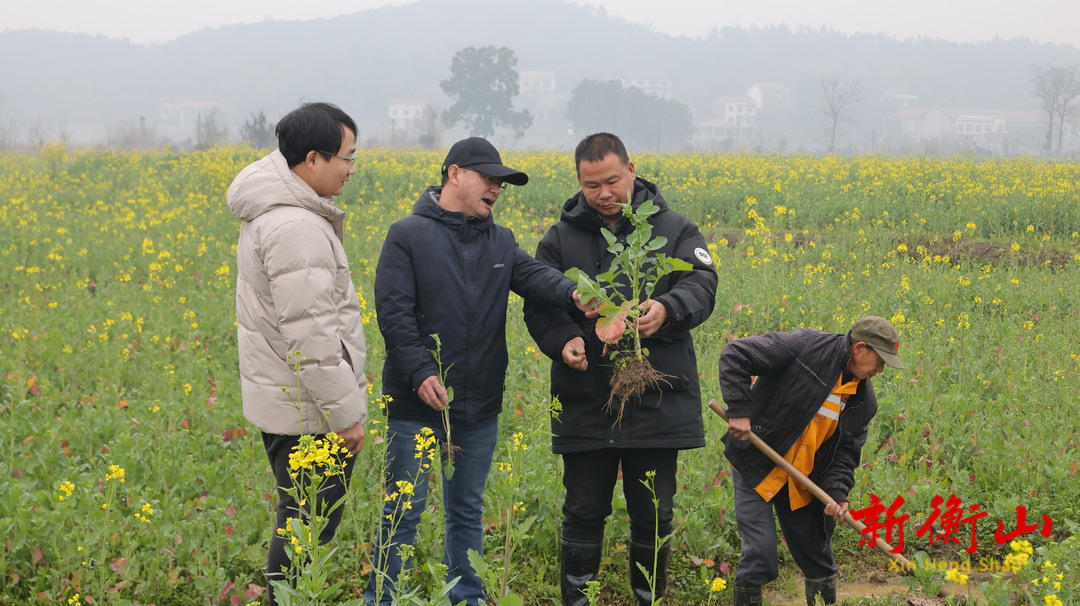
<point>591,308</point>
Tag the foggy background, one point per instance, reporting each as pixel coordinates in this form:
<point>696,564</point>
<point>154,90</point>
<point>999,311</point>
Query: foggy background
<point>579,68</point>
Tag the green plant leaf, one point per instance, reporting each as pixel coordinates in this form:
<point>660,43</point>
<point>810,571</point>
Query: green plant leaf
<point>607,276</point>
<point>449,393</point>
<point>586,287</point>
<point>678,264</point>
<point>610,237</point>
<point>479,565</point>
<point>647,208</point>
<point>607,308</point>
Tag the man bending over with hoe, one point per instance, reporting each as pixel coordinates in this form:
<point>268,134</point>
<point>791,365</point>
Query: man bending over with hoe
<point>811,403</point>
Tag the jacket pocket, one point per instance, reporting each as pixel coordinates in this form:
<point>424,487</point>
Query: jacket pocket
<point>674,360</point>
<point>570,384</point>
<point>278,346</point>
<point>260,361</point>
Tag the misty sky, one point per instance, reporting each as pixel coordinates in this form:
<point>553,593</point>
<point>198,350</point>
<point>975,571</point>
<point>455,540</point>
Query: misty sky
<point>154,21</point>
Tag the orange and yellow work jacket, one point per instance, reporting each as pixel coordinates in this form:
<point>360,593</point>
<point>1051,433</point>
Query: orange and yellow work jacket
<point>801,454</point>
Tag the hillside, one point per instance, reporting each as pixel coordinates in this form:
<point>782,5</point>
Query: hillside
<point>83,84</point>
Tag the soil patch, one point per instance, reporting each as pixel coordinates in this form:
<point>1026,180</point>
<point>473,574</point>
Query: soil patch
<point>985,252</point>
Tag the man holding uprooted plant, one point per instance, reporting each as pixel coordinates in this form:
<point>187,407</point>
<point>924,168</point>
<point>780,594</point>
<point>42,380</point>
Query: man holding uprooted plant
<point>441,289</point>
<point>811,402</point>
<point>640,430</point>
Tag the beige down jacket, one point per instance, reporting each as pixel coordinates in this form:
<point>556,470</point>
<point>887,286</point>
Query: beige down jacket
<point>294,294</point>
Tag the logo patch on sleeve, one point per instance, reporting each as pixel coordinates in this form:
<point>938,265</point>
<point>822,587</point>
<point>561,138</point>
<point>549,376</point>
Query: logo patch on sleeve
<point>703,256</point>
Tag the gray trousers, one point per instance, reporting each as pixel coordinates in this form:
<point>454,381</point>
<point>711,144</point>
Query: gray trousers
<point>807,532</point>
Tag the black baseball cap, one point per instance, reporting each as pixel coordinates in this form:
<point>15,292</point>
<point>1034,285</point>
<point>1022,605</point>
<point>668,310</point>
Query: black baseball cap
<point>480,155</point>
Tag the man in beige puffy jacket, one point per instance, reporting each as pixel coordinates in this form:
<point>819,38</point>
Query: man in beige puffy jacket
<point>298,317</point>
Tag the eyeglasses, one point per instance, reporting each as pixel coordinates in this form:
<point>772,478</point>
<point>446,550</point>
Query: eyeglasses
<point>494,181</point>
<point>349,159</point>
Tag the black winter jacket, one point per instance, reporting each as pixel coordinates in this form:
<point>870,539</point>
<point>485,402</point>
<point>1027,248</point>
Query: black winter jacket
<point>795,373</point>
<point>439,273</point>
<point>666,418</point>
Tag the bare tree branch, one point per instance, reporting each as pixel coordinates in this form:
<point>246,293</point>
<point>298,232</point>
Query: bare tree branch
<point>1057,87</point>
<point>839,98</point>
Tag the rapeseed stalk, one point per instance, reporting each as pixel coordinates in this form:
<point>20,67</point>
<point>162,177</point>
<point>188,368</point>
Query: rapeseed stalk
<point>448,447</point>
<point>658,541</point>
<point>402,496</point>
<point>312,462</point>
<point>513,531</point>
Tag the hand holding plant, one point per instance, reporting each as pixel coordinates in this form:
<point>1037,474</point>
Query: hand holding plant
<point>626,309</point>
<point>448,448</point>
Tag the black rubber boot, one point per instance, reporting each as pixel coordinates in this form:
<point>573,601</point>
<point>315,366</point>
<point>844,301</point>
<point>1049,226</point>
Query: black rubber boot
<point>747,596</point>
<point>580,563</point>
<point>825,587</point>
<point>639,582</point>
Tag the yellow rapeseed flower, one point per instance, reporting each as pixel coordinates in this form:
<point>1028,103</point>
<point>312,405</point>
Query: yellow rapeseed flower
<point>519,443</point>
<point>955,576</point>
<point>1022,546</point>
<point>116,473</point>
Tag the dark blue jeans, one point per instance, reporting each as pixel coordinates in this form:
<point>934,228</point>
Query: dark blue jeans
<point>589,478</point>
<point>807,531</point>
<point>463,503</point>
<point>333,490</point>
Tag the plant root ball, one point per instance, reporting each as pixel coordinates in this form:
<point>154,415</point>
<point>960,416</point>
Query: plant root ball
<point>632,376</point>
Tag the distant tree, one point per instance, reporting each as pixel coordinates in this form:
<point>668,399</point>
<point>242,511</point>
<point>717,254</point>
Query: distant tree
<point>1058,89</point>
<point>596,106</point>
<point>840,97</point>
<point>209,131</point>
<point>8,132</point>
<point>640,119</point>
<point>257,131</point>
<point>37,129</point>
<point>128,135</point>
<point>482,85</point>
<point>429,128</point>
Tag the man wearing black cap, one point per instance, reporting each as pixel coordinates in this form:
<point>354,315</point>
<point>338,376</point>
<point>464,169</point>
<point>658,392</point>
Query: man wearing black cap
<point>812,401</point>
<point>447,270</point>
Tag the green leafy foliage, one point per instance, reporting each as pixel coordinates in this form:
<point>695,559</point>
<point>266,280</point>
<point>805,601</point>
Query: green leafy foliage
<point>111,258</point>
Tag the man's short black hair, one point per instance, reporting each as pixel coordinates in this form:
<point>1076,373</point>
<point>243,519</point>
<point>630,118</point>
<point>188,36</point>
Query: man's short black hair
<point>596,147</point>
<point>312,127</point>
